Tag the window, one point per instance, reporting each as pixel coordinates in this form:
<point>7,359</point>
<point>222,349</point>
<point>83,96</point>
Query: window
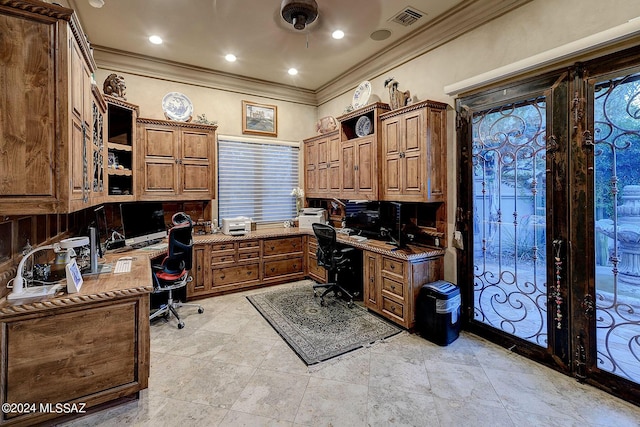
<point>255,179</point>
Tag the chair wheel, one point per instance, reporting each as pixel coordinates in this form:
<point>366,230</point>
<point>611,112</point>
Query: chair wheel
<point>180,325</point>
<point>350,304</point>
<point>200,310</point>
<point>315,293</point>
<point>322,302</point>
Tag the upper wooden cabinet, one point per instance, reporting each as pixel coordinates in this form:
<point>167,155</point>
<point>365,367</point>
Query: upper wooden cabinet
<point>177,160</point>
<point>47,119</point>
<point>414,153</point>
<point>121,146</point>
<point>322,165</point>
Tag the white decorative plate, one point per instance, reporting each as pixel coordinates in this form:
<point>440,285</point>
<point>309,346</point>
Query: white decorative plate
<point>177,106</point>
<point>361,95</point>
<point>363,126</point>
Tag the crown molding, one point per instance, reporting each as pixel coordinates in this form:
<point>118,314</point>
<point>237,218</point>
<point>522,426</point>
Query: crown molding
<point>127,62</point>
<point>463,18</point>
<point>466,16</point>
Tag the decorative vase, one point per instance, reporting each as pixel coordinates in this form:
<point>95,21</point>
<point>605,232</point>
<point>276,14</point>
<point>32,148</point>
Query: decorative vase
<point>299,204</point>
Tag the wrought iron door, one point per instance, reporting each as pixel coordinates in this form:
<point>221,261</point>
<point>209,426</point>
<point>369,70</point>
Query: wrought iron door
<point>607,301</point>
<point>549,207</point>
<point>515,246</point>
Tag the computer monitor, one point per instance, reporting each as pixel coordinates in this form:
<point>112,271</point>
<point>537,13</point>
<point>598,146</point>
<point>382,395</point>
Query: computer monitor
<point>142,223</point>
<point>392,223</point>
<point>102,229</point>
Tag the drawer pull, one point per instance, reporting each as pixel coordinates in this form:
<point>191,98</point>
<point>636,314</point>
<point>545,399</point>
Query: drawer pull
<point>222,276</point>
<point>273,247</point>
<point>273,269</point>
<point>393,287</point>
<point>295,266</point>
<point>393,266</point>
<point>393,308</point>
<point>248,272</point>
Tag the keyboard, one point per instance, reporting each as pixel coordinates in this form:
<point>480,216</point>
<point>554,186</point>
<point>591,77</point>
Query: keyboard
<point>123,265</point>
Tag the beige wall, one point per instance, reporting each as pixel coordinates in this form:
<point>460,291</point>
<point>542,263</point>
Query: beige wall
<point>534,28</point>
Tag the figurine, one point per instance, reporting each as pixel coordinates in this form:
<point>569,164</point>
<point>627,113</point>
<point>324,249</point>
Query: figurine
<point>397,98</point>
<point>114,86</point>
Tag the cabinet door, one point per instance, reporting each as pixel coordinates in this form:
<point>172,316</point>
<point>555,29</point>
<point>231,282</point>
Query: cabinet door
<point>347,177</point>
<point>310,167</point>
<point>413,148</point>
<point>160,175</point>
<point>323,166</point>
<point>370,279</point>
<point>78,167</point>
<point>366,168</point>
<point>199,271</point>
<point>436,155</point>
<point>333,168</point>
<point>391,169</point>
<point>196,167</point>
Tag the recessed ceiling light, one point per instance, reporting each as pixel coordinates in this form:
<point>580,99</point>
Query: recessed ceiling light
<point>337,34</point>
<point>155,39</point>
<point>230,57</point>
<point>293,71</point>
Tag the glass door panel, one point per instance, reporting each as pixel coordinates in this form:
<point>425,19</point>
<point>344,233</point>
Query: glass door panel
<point>509,219</point>
<point>616,119</point>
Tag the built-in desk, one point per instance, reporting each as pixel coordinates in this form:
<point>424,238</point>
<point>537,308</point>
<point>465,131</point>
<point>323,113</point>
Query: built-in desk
<point>86,348</point>
<point>392,277</point>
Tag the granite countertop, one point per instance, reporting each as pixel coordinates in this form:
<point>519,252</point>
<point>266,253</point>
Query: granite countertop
<point>410,252</point>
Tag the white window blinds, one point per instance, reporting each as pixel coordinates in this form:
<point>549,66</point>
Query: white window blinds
<point>255,179</point>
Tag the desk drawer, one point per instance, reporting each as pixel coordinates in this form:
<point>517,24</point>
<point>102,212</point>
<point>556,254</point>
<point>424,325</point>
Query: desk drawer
<point>393,287</point>
<point>215,247</point>
<point>393,267</point>
<point>393,308</point>
<point>283,267</point>
<point>282,246</point>
<point>248,254</point>
<point>224,258</point>
<point>238,274</point>
<point>249,244</point>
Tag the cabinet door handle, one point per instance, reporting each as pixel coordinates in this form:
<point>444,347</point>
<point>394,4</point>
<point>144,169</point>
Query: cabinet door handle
<point>371,280</point>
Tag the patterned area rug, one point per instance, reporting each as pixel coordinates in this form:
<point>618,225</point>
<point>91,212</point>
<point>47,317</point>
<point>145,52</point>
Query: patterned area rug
<point>317,333</point>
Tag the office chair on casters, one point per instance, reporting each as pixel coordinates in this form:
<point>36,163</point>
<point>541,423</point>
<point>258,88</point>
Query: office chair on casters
<point>333,259</point>
<point>173,273</point>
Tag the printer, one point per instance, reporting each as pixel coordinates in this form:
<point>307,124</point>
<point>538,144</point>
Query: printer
<point>236,226</point>
<point>309,216</point>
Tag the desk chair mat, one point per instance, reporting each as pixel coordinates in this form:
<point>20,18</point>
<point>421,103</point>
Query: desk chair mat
<point>318,333</point>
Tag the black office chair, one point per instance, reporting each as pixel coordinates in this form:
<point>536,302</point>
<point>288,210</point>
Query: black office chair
<point>173,273</point>
<point>333,259</point>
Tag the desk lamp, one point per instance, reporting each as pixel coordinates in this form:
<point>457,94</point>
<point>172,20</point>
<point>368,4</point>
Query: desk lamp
<point>19,289</point>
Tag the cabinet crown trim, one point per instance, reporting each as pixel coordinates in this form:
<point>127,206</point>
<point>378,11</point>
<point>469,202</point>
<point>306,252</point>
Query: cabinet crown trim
<point>38,7</point>
<point>418,105</point>
<point>174,123</point>
<point>120,103</point>
<point>364,110</point>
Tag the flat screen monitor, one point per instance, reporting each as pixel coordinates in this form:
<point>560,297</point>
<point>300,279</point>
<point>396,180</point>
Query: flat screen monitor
<point>102,229</point>
<point>142,223</point>
<point>391,222</point>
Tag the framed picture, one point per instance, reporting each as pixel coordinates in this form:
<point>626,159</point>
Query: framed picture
<point>259,119</point>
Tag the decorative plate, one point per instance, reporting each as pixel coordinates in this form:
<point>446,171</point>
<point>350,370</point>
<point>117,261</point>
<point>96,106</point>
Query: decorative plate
<point>361,95</point>
<point>363,126</point>
<point>177,106</point>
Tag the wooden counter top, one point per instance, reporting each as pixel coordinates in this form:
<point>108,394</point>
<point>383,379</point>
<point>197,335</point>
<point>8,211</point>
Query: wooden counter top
<point>410,252</point>
<point>98,287</point>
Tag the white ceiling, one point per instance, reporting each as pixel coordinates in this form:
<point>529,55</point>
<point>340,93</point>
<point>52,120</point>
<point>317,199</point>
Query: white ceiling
<point>200,32</point>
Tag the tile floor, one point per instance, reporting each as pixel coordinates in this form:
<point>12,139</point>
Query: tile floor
<point>228,367</point>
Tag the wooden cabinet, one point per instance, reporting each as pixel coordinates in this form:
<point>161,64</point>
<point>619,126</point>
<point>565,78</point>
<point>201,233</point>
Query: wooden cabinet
<point>121,146</point>
<point>313,270</point>
<point>322,165</point>
<point>283,259</point>
<point>391,285</point>
<point>46,123</point>
<point>230,266</point>
<point>413,160</point>
<point>177,160</point>
<point>359,154</point>
<point>98,154</point>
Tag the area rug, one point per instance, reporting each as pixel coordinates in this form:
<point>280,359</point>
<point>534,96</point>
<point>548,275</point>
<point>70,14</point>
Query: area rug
<point>318,333</point>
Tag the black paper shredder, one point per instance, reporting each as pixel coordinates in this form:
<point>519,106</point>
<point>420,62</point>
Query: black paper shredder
<point>438,312</point>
